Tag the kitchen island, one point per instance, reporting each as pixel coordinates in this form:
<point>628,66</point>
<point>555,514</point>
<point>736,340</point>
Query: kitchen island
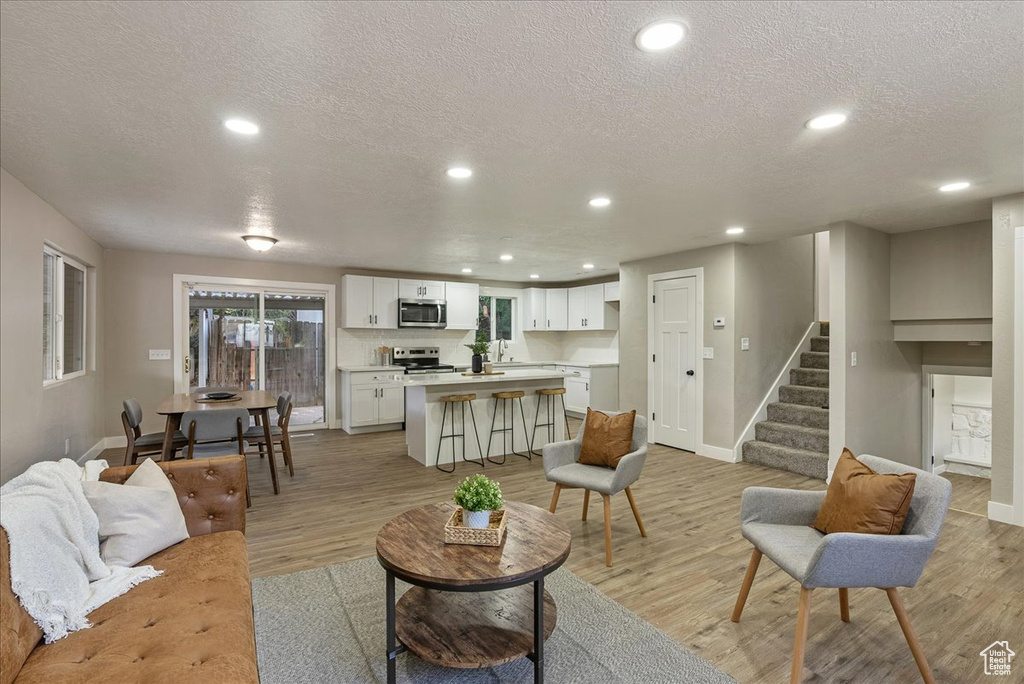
<point>423,412</point>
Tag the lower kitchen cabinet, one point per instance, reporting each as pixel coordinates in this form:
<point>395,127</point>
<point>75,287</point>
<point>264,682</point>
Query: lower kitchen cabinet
<point>371,401</point>
<point>597,388</point>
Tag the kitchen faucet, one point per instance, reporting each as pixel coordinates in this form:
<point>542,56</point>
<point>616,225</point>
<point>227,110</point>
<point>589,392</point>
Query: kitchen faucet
<point>502,346</point>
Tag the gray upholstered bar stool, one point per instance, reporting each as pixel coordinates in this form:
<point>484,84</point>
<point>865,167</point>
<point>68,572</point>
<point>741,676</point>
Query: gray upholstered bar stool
<point>508,399</point>
<point>461,400</point>
<point>547,397</point>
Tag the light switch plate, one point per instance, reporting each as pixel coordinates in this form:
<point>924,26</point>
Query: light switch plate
<point>709,352</point>
<point>159,354</point>
<point>853,358</point>
<point>745,344</point>
<point>719,322</point>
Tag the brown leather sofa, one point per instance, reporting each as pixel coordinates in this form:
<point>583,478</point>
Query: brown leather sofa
<point>194,623</point>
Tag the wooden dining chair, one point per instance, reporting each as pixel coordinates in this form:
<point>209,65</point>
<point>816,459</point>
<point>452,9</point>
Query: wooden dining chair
<point>278,433</point>
<point>149,444</point>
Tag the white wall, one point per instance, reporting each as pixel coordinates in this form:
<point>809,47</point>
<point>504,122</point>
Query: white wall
<point>821,275</point>
<point>972,390</point>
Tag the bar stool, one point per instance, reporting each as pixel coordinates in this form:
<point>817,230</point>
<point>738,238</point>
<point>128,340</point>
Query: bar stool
<point>462,400</point>
<point>548,397</point>
<point>504,397</point>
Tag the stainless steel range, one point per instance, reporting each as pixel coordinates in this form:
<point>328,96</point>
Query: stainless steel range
<point>420,360</point>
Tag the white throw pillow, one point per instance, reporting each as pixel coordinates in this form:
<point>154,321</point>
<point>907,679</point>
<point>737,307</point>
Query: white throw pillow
<point>137,519</point>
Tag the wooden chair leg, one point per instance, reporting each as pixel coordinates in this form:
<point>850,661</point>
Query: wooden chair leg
<point>844,604</point>
<point>286,447</point>
<point>607,530</point>
<point>748,580</point>
<point>586,503</point>
<point>908,632</point>
<point>554,498</point>
<point>803,623</point>
<point>636,513</point>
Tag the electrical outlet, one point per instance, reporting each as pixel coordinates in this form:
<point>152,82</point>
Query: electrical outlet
<point>853,358</point>
<point>745,344</point>
<point>67,446</point>
<point>159,354</point>
<point>709,352</point>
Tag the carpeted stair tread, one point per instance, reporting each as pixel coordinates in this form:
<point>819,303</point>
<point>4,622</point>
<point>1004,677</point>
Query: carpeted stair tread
<point>799,414</point>
<point>800,461</point>
<point>797,436</point>
<point>813,359</point>
<point>808,377</point>
<point>819,344</point>
<point>805,396</point>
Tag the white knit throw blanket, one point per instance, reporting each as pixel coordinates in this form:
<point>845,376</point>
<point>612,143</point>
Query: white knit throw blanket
<point>56,569</point>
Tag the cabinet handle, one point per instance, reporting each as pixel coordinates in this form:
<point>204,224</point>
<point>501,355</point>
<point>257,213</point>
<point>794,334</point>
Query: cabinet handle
<point>588,386</point>
<point>549,322</point>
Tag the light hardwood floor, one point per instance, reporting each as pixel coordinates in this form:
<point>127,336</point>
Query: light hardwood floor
<point>684,577</point>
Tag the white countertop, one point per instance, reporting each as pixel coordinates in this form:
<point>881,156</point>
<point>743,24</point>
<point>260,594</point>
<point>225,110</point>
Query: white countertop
<point>372,369</point>
<point>439,379</point>
<point>576,364</point>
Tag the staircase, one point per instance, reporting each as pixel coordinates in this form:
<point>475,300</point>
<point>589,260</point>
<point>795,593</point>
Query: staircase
<point>795,436</point>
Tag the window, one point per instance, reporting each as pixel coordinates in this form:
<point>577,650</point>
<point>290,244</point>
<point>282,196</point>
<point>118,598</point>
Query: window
<point>496,317</point>
<point>63,317</point>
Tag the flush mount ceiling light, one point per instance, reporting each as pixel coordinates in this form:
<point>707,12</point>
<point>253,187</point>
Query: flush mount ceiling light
<point>588,266</point>
<point>506,257</point>
<point>460,172</point>
<point>735,230</point>
<point>661,35</point>
<point>467,270</point>
<point>600,202</point>
<point>261,243</point>
<point>953,187</point>
<point>241,126</point>
<point>830,120</point>
<point>534,276</point>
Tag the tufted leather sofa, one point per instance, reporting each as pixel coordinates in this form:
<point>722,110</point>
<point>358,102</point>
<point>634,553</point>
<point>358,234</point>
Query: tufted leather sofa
<point>194,623</point>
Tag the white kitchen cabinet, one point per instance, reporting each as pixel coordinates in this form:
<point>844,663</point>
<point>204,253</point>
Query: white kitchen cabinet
<point>556,308</point>
<point>369,302</point>
<point>597,388</point>
<point>463,305</point>
<point>577,394</point>
<point>371,401</point>
<point>588,309</point>
<point>612,292</point>
<point>421,289</point>
<point>534,305</point>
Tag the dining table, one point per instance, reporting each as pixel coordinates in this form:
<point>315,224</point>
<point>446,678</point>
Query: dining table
<point>256,402</point>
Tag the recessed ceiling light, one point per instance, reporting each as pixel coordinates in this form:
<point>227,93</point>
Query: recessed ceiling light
<point>953,187</point>
<point>588,266</point>
<point>460,172</point>
<point>600,202</point>
<point>830,120</point>
<point>661,35</point>
<point>506,257</point>
<point>535,275</point>
<point>261,243</point>
<point>467,270</point>
<point>735,230</point>
<point>241,126</point>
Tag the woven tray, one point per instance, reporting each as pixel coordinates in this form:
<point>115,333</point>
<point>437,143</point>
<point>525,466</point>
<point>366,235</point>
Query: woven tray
<point>455,532</point>
<point>206,400</point>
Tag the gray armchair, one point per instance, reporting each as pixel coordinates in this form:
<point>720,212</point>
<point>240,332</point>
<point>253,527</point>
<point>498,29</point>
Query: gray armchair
<point>561,467</point>
<point>777,522</point>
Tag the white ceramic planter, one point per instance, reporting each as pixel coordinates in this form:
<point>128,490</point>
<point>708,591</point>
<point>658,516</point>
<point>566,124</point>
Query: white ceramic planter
<point>478,519</point>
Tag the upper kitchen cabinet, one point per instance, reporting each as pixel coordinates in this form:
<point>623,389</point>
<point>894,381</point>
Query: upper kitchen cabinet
<point>556,313</point>
<point>534,308</point>
<point>369,302</point>
<point>611,291</point>
<point>421,289</point>
<point>463,305</point>
<point>588,309</point>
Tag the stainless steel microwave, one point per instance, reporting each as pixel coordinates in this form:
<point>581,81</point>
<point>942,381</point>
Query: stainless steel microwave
<point>422,313</point>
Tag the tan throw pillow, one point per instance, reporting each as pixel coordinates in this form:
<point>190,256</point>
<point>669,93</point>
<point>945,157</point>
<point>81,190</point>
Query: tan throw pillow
<point>606,438</point>
<point>138,518</point>
<point>861,500</point>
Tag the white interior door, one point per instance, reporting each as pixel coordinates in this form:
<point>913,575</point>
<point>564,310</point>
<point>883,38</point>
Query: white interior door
<point>674,408</point>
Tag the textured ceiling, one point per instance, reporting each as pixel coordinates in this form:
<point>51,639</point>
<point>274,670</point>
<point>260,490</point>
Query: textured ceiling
<point>112,113</point>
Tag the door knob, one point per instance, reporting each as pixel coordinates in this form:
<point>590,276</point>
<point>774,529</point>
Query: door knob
<point>690,373</point>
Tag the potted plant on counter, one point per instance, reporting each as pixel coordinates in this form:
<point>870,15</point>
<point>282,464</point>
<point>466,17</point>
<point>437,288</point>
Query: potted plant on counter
<point>479,347</point>
<point>478,496</point>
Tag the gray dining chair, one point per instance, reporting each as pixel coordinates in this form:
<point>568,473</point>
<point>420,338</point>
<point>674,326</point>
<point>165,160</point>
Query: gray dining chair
<point>139,444</point>
<point>216,432</point>
<point>562,468</point>
<point>778,523</point>
<point>278,433</point>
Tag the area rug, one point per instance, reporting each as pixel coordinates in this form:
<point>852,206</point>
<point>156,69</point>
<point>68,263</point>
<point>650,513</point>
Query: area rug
<point>327,625</point>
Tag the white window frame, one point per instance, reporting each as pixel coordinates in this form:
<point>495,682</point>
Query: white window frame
<point>514,313</point>
<point>57,360</point>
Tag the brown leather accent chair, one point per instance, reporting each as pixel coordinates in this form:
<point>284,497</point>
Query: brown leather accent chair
<point>194,623</point>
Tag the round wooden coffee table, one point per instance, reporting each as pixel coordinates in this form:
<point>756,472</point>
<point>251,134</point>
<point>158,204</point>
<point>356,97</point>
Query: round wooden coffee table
<point>470,606</point>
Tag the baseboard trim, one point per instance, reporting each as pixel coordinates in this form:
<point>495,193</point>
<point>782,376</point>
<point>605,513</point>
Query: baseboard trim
<point>1000,512</point>
<point>939,469</point>
<point>718,453</point>
<point>94,451</point>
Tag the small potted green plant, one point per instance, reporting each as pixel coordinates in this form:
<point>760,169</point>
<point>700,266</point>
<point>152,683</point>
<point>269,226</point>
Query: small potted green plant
<point>478,496</point>
<point>480,346</point>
